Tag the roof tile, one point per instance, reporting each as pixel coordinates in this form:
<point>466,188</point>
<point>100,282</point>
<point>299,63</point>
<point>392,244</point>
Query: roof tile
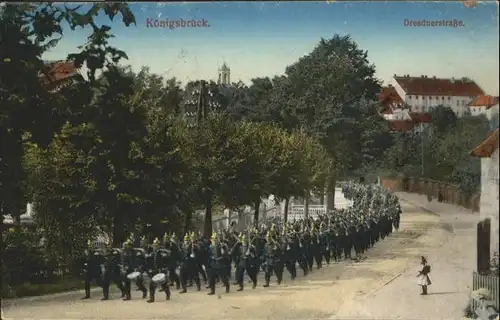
<point>484,101</point>
<point>439,87</point>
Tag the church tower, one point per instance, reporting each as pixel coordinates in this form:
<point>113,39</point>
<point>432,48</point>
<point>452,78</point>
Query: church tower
<point>224,75</point>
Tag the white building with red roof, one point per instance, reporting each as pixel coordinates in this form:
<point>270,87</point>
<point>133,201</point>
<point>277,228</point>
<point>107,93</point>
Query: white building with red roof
<point>484,105</point>
<point>422,93</point>
<point>399,116</point>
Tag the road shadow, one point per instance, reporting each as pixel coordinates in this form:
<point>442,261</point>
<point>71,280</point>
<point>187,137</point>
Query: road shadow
<point>441,293</point>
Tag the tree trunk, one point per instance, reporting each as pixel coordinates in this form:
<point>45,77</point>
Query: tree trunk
<point>287,202</point>
<point>306,204</point>
<point>187,221</point>
<point>118,231</point>
<point>207,228</point>
<point>256,213</point>
<point>330,200</point>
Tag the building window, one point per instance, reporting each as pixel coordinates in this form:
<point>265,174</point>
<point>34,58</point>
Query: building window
<point>458,103</point>
<point>449,98</point>
<point>409,97</point>
<point>416,97</point>
<point>442,98</point>
<point>430,98</point>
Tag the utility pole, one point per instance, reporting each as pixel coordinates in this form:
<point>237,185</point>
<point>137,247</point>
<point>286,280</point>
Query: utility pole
<point>422,146</point>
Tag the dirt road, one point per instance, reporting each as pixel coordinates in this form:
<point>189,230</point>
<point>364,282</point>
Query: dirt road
<point>324,293</point>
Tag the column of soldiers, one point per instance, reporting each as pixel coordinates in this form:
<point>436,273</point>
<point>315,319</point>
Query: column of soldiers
<point>305,243</point>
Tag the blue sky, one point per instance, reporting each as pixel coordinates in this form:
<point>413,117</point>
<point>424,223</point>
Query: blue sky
<point>261,39</point>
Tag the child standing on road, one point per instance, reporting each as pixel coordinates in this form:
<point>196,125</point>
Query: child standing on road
<point>423,276</point>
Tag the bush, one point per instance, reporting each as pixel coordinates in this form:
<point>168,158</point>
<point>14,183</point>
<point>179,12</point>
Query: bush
<point>22,258</point>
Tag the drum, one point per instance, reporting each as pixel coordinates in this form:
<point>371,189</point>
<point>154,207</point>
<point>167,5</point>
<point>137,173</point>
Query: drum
<point>160,278</point>
<point>133,275</point>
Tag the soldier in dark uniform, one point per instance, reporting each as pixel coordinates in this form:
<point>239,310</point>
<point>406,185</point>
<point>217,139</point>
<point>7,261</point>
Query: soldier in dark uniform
<point>128,265</point>
<point>202,258</point>
<point>325,236</point>
<point>348,243</point>
<point>216,267</point>
<point>397,217</point>
<point>170,243</point>
<point>141,253</point>
<point>340,242</point>
<point>318,247</point>
<point>189,267</point>
<point>156,262</point>
<point>92,262</point>
<point>245,255</point>
<point>289,249</point>
<point>273,260</point>
<point>301,244</point>
<point>111,271</point>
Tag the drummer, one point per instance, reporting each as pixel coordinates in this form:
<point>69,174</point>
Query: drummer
<point>127,267</point>
<point>156,266</point>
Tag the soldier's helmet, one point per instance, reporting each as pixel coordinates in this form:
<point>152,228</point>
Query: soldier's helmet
<point>89,244</point>
<point>243,238</point>
<point>108,244</point>
<point>127,244</point>
<point>186,237</point>
<point>144,242</point>
<point>156,243</point>
<point>214,236</point>
<point>193,236</point>
<point>165,237</point>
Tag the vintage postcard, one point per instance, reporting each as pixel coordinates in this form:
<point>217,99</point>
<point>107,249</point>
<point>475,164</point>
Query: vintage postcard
<point>249,160</point>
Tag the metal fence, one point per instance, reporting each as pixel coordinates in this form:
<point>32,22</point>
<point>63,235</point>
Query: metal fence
<point>489,282</point>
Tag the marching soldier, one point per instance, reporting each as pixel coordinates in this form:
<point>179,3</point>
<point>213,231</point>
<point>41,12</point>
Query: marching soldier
<point>189,267</point>
<point>157,266</point>
<point>141,254</point>
<point>175,258</point>
<point>324,240</point>
<point>245,261</point>
<point>290,254</point>
<point>111,271</point>
<point>93,259</point>
<point>129,264</point>
<point>216,266</point>
<point>273,262</point>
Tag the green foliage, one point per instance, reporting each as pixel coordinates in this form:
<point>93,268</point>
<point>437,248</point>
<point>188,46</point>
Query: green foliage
<point>22,258</point>
<point>112,150</point>
<point>445,148</point>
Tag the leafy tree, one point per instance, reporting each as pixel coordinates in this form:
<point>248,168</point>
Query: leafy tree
<point>325,92</point>
<point>444,119</point>
<point>28,31</point>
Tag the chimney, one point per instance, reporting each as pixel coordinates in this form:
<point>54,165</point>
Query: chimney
<point>422,76</point>
<point>434,77</point>
<point>395,75</point>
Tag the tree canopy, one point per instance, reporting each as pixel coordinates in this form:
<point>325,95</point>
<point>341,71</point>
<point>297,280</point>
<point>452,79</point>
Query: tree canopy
<point>118,149</point>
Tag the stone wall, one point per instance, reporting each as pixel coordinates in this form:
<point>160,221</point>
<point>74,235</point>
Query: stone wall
<point>450,193</point>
